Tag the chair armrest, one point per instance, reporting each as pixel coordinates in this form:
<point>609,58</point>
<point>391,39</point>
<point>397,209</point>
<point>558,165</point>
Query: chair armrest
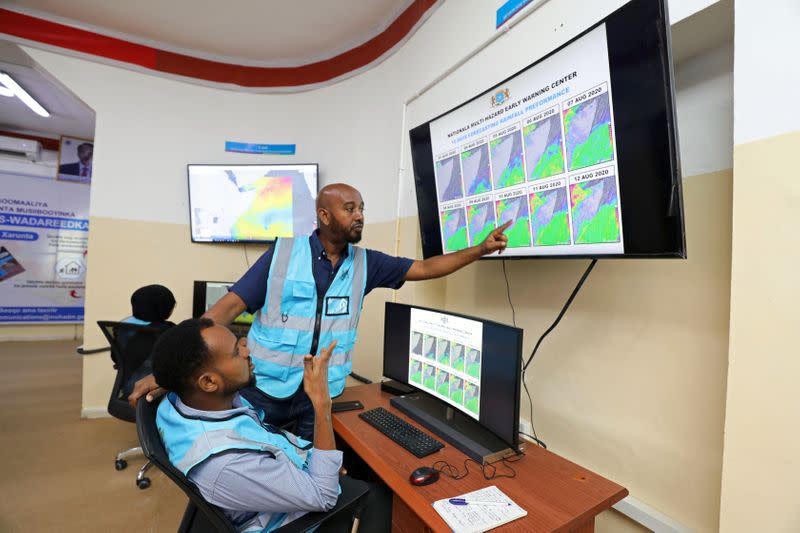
<point>353,494</point>
<point>82,351</point>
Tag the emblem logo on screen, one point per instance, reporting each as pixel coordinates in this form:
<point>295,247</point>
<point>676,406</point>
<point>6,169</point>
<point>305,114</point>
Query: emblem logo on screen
<point>500,97</point>
<point>337,305</point>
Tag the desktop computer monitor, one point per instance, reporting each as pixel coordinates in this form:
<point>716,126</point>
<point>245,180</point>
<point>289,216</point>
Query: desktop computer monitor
<point>207,293</point>
<point>468,363</point>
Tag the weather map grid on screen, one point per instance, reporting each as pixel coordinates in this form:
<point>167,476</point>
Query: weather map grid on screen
<point>516,210</point>
<point>549,217</point>
<point>250,203</point>
<point>454,229</point>
<point>448,179</point>
<point>507,160</point>
<point>543,153</point>
<point>595,211</point>
<point>475,167</point>
<point>537,150</point>
<point>589,137</point>
<point>444,358</point>
<point>481,221</point>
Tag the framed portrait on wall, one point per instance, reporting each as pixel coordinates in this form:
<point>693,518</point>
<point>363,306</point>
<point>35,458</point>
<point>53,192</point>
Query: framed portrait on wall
<point>75,158</point>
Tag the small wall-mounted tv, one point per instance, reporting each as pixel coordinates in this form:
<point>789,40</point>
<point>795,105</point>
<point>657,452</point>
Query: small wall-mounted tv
<point>578,151</point>
<point>252,203</point>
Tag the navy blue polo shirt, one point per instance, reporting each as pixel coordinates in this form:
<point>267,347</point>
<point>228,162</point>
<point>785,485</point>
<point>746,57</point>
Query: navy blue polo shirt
<point>383,270</point>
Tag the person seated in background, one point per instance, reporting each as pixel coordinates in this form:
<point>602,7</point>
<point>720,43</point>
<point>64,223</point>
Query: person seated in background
<point>260,476</point>
<point>151,305</point>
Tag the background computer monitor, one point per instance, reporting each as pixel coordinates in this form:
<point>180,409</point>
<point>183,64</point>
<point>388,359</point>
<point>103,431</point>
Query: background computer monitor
<point>467,362</point>
<point>207,293</point>
<point>252,203</point>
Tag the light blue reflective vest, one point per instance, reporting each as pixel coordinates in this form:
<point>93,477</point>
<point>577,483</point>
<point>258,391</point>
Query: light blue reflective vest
<point>283,330</point>
<point>191,440</point>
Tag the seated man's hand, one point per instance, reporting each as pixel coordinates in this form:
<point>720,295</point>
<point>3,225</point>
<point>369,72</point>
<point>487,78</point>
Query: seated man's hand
<point>147,385</point>
<point>315,377</point>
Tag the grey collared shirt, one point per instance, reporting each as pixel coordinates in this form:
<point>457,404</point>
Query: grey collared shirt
<point>241,483</point>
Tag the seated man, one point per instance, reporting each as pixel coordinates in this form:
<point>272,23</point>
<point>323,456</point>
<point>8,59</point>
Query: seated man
<point>260,476</point>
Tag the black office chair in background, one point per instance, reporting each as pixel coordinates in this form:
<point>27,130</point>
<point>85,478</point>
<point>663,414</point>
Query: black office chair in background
<point>131,346</point>
<point>203,517</point>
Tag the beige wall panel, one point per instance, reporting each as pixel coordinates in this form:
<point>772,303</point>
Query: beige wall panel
<point>632,382</point>
<point>762,438</point>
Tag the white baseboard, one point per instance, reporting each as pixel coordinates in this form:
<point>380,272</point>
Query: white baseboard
<point>648,517</point>
<point>95,412</point>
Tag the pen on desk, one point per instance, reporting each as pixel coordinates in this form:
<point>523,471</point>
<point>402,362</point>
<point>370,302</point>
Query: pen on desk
<point>462,501</point>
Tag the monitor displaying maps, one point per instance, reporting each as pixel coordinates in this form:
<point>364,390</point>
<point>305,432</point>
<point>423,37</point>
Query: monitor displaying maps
<point>539,151</point>
<point>444,358</point>
<point>251,203</point>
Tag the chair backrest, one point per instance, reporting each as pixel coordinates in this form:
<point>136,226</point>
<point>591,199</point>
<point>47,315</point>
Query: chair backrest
<point>131,346</point>
<point>154,450</point>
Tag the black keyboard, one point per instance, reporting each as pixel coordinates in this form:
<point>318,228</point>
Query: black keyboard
<point>400,431</point>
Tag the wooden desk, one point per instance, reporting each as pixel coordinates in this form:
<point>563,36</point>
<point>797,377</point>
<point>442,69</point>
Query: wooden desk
<point>558,494</point>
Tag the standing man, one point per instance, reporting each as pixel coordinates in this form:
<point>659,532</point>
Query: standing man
<point>307,292</point>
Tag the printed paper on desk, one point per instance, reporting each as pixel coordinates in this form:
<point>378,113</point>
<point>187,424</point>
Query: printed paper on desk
<point>474,518</point>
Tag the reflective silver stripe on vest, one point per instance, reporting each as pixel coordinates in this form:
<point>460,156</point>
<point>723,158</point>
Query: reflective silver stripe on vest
<point>274,318</point>
<point>217,438</point>
<point>288,359</point>
<point>281,265</point>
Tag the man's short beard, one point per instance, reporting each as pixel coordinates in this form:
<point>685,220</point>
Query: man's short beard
<point>252,381</point>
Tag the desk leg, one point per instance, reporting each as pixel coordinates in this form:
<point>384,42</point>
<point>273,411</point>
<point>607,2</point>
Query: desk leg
<point>404,519</point>
<point>586,527</point>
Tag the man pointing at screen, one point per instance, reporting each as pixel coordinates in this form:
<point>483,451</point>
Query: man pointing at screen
<point>307,292</point>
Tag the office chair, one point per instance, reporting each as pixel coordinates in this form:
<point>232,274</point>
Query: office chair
<point>131,346</point>
<point>203,517</point>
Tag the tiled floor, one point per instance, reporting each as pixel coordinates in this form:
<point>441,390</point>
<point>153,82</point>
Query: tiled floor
<point>57,470</point>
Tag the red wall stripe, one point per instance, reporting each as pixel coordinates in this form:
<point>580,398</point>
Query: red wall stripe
<point>87,42</point>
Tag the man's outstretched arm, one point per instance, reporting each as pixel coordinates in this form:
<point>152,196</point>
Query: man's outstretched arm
<point>226,309</point>
<point>442,265</point>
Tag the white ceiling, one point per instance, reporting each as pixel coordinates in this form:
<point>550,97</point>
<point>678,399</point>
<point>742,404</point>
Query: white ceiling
<point>255,32</point>
<point>68,114</point>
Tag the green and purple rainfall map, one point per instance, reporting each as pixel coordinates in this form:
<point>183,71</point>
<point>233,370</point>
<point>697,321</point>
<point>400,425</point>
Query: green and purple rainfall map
<point>481,222</point>
<point>475,165</point>
<point>516,209</point>
<point>543,153</point>
<point>448,179</point>
<point>454,229</point>
<point>549,218</point>
<point>595,211</point>
<point>537,151</point>
<point>507,160</point>
<point>589,138</point>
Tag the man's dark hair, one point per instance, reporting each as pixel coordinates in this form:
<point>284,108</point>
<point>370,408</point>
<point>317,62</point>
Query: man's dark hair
<point>87,145</point>
<point>180,353</point>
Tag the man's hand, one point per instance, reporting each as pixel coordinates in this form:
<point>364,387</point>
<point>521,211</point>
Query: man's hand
<point>496,241</point>
<point>315,378</point>
<point>147,385</point>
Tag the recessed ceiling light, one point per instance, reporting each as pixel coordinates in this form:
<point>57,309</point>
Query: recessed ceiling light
<point>22,94</point>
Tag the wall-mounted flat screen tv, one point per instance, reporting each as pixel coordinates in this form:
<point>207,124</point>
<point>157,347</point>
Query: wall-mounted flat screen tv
<point>252,203</point>
<point>579,151</point>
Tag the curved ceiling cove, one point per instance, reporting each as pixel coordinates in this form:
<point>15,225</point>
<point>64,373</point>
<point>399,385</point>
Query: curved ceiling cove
<point>91,42</point>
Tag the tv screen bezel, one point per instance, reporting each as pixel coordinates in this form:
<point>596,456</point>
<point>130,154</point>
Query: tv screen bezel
<point>673,225</point>
<point>236,241</point>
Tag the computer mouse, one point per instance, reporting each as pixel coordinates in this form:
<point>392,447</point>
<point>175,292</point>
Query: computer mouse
<point>424,475</point>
